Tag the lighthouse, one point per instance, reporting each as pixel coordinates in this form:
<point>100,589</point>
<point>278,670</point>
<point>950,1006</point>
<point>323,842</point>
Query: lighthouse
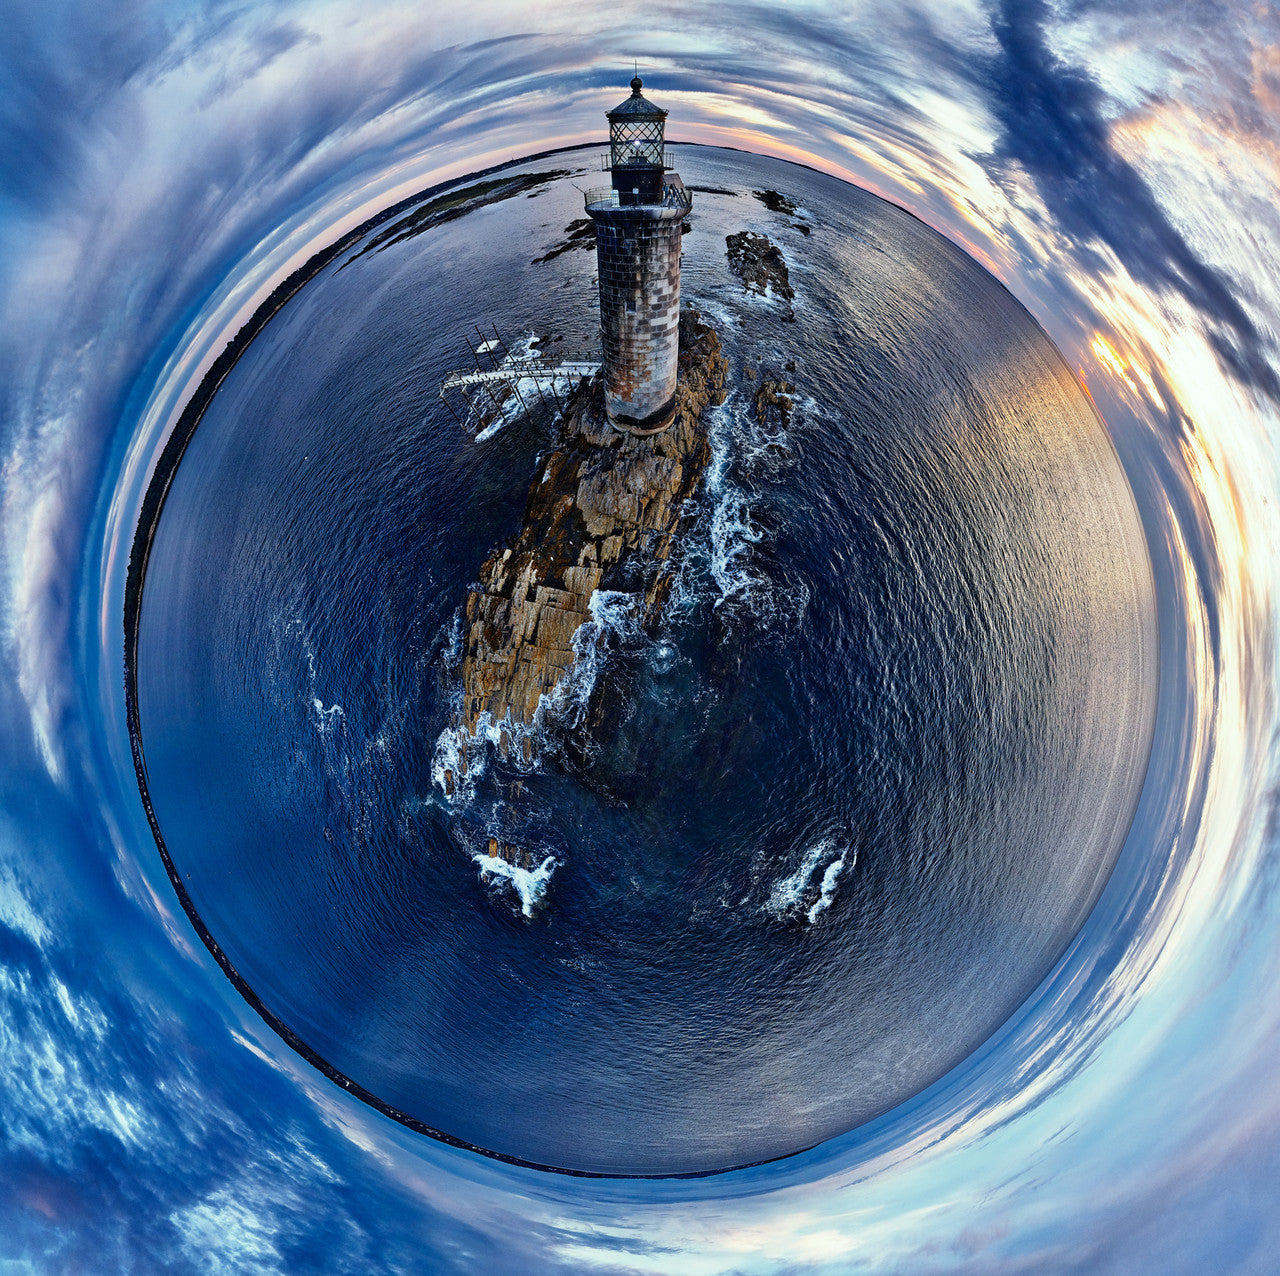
<point>638,224</point>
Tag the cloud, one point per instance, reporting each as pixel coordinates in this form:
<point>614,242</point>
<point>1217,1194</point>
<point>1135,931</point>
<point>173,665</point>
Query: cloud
<point>1054,127</point>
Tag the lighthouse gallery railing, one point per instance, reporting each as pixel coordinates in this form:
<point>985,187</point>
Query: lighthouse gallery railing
<point>607,197</point>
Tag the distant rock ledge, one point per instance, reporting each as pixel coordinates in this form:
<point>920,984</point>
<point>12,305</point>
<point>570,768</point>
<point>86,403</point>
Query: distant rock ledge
<point>759,263</point>
<point>603,513</point>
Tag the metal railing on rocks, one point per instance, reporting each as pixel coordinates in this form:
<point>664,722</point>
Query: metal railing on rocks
<point>506,387</point>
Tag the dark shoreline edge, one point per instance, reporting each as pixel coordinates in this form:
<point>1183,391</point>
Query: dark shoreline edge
<point>152,507</point>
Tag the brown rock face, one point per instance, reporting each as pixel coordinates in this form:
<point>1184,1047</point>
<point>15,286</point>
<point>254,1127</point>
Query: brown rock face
<point>774,402</point>
<point>602,502</point>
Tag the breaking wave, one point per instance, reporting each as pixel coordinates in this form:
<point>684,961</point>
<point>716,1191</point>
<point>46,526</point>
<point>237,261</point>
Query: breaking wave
<point>529,884</point>
<point>461,758</point>
<point>615,621</point>
<point>746,456</point>
<point>803,892</point>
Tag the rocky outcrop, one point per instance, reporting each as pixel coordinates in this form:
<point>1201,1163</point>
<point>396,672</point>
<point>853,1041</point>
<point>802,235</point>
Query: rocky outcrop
<point>759,263</point>
<point>580,233</point>
<point>779,203</point>
<point>516,855</point>
<point>774,402</point>
<point>776,202</point>
<point>603,513</point>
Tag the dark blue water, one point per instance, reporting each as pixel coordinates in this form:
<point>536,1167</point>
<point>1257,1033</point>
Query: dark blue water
<point>840,816</point>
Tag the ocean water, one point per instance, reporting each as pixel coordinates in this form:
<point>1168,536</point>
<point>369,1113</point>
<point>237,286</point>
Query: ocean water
<point>841,814</point>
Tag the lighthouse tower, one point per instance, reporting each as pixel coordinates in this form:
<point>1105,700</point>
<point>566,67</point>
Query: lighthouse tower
<point>638,227</point>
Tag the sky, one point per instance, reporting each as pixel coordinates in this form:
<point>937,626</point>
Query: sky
<point>1117,166</point>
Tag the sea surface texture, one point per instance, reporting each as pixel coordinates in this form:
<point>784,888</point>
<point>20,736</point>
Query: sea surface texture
<point>835,820</point>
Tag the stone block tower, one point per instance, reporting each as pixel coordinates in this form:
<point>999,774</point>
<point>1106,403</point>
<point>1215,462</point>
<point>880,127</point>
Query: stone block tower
<point>638,227</point>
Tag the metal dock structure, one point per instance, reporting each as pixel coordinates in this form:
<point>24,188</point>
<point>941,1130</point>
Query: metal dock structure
<point>488,391</point>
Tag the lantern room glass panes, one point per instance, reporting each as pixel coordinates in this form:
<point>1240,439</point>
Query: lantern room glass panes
<point>636,142</point>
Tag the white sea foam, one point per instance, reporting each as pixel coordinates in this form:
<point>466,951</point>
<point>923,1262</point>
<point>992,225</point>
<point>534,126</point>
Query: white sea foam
<point>465,757</point>
<point>732,537</point>
<point>529,884</point>
<point>663,658</point>
<point>450,637</point>
<point>325,716</point>
<point>724,317</point>
<point>354,754</point>
<point>614,613</point>
<point>828,888</point>
<point>795,893</point>
<point>744,454</point>
<point>734,530</point>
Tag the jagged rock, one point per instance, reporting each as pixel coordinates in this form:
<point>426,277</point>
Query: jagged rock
<point>516,855</point>
<point>778,203</point>
<point>759,263</point>
<point>774,402</point>
<point>580,233</point>
<point>603,504</point>
<point>775,202</point>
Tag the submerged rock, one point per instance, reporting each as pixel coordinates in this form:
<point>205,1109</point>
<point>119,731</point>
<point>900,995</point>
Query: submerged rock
<point>603,513</point>
<point>779,203</point>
